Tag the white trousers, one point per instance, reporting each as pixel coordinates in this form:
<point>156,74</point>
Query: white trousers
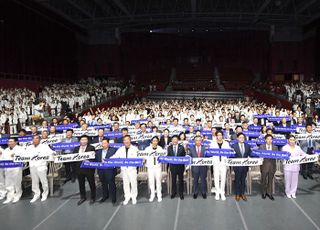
<point>3,190</point>
<point>13,178</point>
<point>129,177</point>
<point>219,174</point>
<point>39,174</point>
<point>154,175</point>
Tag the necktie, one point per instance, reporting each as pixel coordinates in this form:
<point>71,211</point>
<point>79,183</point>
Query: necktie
<point>175,150</point>
<point>242,149</point>
<point>127,152</point>
<point>198,151</point>
<point>104,153</point>
<point>310,142</point>
<point>220,156</point>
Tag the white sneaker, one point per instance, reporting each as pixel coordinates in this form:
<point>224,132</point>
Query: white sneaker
<point>44,198</point>
<point>34,199</point>
<point>159,199</point>
<point>294,196</point>
<point>2,197</point>
<point>151,199</point>
<point>15,200</point>
<point>125,202</point>
<point>289,196</point>
<point>223,197</point>
<point>7,201</point>
<point>217,197</point>
<point>213,190</point>
<point>134,200</point>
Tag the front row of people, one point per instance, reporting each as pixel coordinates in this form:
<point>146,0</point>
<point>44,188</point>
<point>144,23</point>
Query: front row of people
<point>38,169</point>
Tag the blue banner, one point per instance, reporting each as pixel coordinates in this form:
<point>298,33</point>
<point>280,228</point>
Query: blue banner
<point>278,142</point>
<point>113,135</point>
<point>116,145</point>
<point>114,162</point>
<point>4,141</point>
<point>284,129</point>
<point>65,127</point>
<point>219,152</point>
<point>140,121</point>
<point>25,139</point>
<point>252,143</point>
<point>251,133</point>
<point>273,154</point>
<point>10,164</point>
<point>106,126</point>
<point>206,143</point>
<point>254,128</point>
<point>317,152</point>
<point>65,145</point>
<point>206,133</point>
<point>175,160</point>
<point>279,118</point>
<point>262,116</point>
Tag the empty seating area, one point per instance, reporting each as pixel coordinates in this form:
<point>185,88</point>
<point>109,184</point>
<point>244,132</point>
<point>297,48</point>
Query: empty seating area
<point>235,78</point>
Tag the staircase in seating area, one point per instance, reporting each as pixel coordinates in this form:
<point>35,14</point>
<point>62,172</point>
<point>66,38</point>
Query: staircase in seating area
<point>235,78</point>
<point>216,95</point>
<point>194,77</point>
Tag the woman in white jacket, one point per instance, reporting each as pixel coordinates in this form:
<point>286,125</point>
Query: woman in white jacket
<point>219,166</point>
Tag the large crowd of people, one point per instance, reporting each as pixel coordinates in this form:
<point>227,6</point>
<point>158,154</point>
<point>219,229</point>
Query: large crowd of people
<point>165,132</point>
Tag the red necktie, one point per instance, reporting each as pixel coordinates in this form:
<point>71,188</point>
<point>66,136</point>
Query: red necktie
<point>198,151</point>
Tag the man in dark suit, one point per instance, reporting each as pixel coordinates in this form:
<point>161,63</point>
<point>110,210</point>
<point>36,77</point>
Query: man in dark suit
<point>242,150</point>
<point>85,172</point>
<point>106,176</point>
<point>196,151</point>
<point>176,169</point>
<point>268,169</point>
<point>99,138</point>
<point>69,166</point>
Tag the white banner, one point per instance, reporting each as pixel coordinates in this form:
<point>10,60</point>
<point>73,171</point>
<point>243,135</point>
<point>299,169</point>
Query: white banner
<point>74,157</point>
<point>302,159</point>
<point>34,157</point>
<point>155,153</point>
<point>97,146</point>
<point>314,136</point>
<point>244,161</point>
<point>141,137</point>
<point>202,161</point>
<point>91,132</point>
<point>51,140</point>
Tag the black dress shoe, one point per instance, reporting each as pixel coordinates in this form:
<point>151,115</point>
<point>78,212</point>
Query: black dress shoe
<point>311,177</point>
<point>103,199</point>
<point>92,201</point>
<point>181,197</point>
<point>270,196</point>
<point>204,196</point>
<point>263,196</point>
<point>81,201</point>
<point>305,177</point>
<point>195,196</point>
<point>173,195</point>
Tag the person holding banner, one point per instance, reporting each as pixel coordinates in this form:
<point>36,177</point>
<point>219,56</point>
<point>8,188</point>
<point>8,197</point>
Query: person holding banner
<point>154,168</point>
<point>3,190</point>
<point>308,145</point>
<point>129,174</point>
<point>242,150</point>
<point>38,169</point>
<point>291,171</point>
<point>70,167</point>
<point>145,142</point>
<point>84,173</point>
<point>106,176</point>
<point>268,169</point>
<point>198,150</point>
<point>13,176</point>
<point>99,138</point>
<point>176,150</point>
<point>219,167</point>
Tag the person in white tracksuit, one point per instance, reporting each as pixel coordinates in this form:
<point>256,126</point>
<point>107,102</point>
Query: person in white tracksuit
<point>3,190</point>
<point>13,176</point>
<point>219,166</point>
<point>129,174</point>
<point>38,169</point>
<point>154,168</point>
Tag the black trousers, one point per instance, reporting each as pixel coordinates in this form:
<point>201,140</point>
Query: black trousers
<point>306,169</point>
<point>267,181</point>
<point>82,186</point>
<point>177,171</point>
<point>107,179</point>
<point>70,170</point>
<point>200,172</point>
<point>240,181</point>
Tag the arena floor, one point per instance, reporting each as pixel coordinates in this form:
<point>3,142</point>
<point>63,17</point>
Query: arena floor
<point>61,212</point>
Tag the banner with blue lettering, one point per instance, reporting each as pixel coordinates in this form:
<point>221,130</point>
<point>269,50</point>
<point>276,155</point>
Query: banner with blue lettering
<point>113,135</point>
<point>278,142</point>
<point>65,145</point>
<point>175,160</point>
<point>10,164</point>
<point>284,129</point>
<point>273,154</point>
<point>219,152</point>
<point>114,162</point>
